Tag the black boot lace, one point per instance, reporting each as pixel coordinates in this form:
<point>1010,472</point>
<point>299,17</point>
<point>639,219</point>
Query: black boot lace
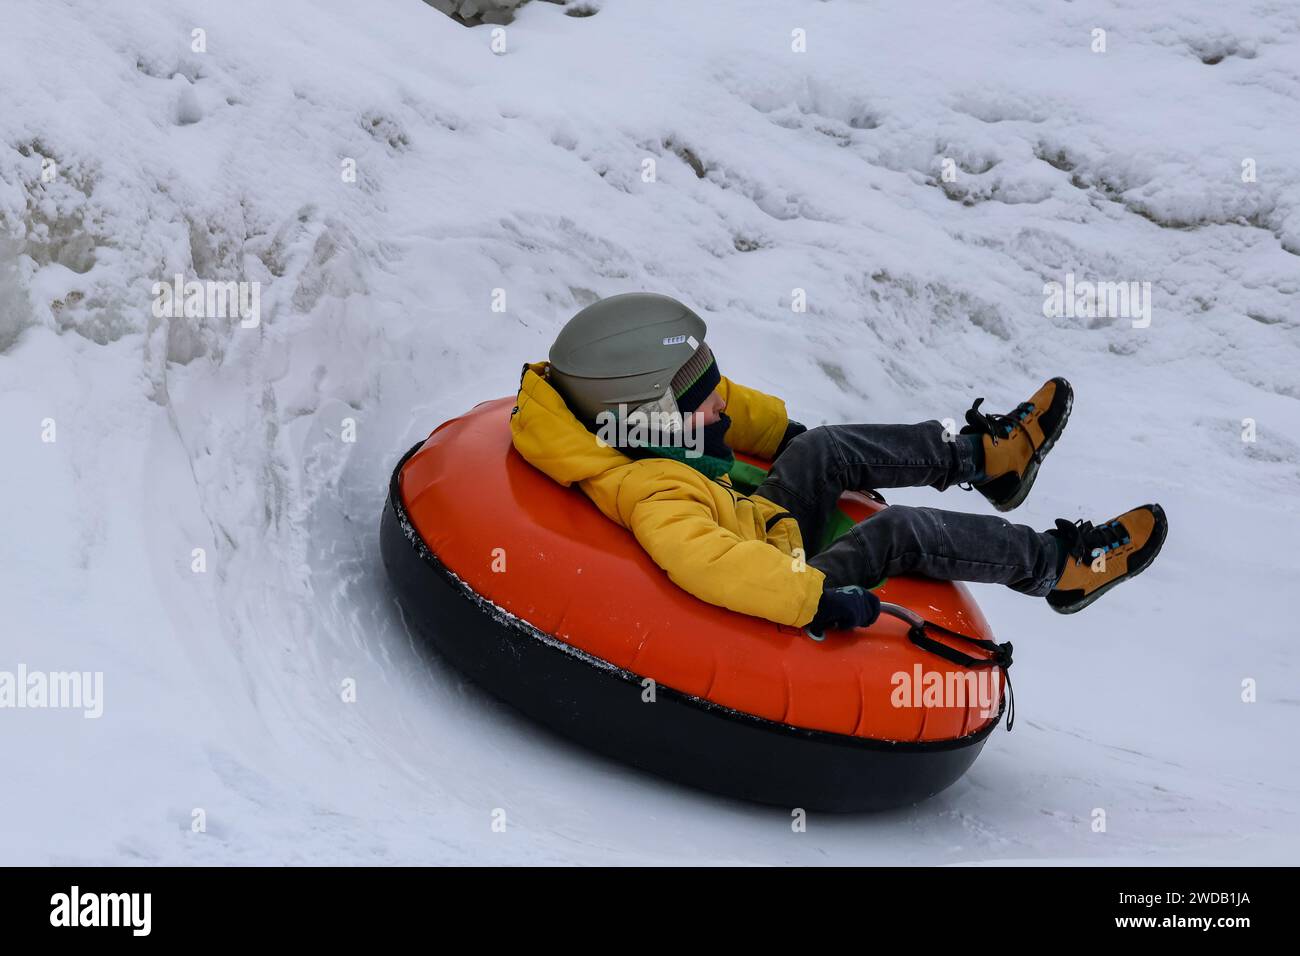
<point>994,425</point>
<point>1082,540</point>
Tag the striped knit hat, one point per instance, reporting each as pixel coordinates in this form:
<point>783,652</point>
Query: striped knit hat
<point>696,380</point>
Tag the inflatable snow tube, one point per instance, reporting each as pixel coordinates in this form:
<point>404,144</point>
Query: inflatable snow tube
<point>533,593</point>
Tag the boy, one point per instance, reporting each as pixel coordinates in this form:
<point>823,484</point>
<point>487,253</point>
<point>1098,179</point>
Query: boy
<point>632,408</point>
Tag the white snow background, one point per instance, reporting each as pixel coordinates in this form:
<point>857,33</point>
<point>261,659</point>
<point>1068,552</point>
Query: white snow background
<point>522,171</point>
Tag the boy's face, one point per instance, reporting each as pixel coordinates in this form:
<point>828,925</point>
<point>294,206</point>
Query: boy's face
<point>710,410</point>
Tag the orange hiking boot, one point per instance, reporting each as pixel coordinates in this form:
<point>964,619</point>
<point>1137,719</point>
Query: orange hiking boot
<point>1099,558</point>
<point>1015,444</point>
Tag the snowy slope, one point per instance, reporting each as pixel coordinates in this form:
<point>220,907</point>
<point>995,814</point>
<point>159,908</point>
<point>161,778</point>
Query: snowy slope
<point>821,170</point>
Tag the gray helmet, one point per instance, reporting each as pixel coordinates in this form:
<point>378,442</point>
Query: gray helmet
<point>624,350</point>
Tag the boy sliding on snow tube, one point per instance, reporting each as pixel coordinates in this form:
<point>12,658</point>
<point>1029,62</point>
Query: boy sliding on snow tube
<point>632,408</point>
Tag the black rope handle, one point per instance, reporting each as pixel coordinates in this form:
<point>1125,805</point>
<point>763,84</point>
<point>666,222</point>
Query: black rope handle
<point>1000,653</point>
<point>916,632</point>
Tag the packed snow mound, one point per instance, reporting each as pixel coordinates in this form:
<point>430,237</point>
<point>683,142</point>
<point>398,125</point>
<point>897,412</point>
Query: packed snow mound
<point>476,12</point>
<point>867,203</point>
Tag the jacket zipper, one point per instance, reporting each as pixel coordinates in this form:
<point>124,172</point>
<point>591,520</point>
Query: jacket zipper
<point>779,516</point>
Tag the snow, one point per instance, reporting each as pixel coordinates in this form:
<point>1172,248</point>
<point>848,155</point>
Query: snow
<point>522,171</point>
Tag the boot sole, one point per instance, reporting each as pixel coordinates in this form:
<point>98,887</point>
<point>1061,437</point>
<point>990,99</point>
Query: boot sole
<point>1162,530</point>
<point>1031,472</point>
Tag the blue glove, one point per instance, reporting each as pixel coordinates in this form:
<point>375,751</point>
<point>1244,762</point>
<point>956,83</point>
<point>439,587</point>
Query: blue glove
<point>844,608</point>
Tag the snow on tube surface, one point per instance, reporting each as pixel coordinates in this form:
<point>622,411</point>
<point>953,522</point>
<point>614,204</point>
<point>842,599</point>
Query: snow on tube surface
<point>580,620</point>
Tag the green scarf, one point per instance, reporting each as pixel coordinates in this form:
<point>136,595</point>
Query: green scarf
<point>716,460</point>
<point>710,466</point>
<point>745,477</point>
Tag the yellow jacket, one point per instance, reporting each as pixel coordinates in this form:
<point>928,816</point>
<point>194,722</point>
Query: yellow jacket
<point>712,541</point>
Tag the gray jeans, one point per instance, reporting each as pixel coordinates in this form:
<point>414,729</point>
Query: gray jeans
<point>818,465</point>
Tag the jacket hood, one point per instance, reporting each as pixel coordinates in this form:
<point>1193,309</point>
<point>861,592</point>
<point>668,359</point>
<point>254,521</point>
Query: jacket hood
<point>550,436</point>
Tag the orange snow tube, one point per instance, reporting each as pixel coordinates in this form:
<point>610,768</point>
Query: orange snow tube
<point>529,589</point>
